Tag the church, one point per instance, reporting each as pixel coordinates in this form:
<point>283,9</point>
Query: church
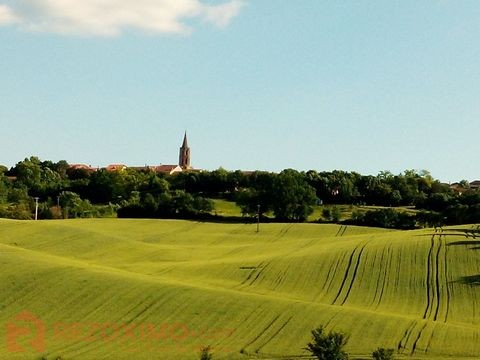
<point>183,161</point>
<point>184,158</point>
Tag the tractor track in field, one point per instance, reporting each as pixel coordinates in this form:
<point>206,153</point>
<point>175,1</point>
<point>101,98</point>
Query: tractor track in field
<point>430,340</point>
<point>447,304</point>
<point>385,273</point>
<point>414,346</point>
<point>133,308</point>
<point>438,296</point>
<point>255,272</point>
<point>265,329</point>
<point>379,274</point>
<point>428,278</point>
<point>354,275</point>
<point>433,280</point>
<point>281,277</point>
<point>403,341</point>
<point>331,319</point>
<point>259,273</point>
<point>80,345</point>
<point>286,229</point>
<point>346,274</point>
<point>359,251</point>
<point>437,279</point>
<point>341,231</point>
<point>274,334</point>
<point>328,279</point>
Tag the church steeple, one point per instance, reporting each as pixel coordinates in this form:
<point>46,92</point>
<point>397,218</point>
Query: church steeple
<point>184,158</point>
<point>185,141</point>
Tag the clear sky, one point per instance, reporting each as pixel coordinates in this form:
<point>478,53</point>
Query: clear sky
<point>359,85</point>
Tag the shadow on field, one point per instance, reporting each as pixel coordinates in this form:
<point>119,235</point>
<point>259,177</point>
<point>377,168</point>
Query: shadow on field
<point>441,234</point>
<point>466,243</point>
<point>472,280</point>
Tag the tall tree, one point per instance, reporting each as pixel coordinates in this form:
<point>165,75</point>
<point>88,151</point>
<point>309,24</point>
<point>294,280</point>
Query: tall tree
<point>293,196</point>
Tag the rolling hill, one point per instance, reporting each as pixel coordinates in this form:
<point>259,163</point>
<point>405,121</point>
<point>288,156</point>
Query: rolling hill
<point>158,289</point>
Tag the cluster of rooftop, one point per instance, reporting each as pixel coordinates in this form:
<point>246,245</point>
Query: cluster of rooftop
<point>183,163</point>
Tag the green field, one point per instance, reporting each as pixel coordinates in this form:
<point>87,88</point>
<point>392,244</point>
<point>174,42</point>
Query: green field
<point>226,208</point>
<point>231,209</point>
<point>153,289</point>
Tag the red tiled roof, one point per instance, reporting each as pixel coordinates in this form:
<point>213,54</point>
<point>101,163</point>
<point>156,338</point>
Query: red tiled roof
<point>142,168</point>
<point>169,169</point>
<point>81,167</point>
<point>115,167</point>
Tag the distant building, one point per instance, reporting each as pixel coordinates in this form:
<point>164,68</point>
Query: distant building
<point>474,185</point>
<point>457,188</point>
<point>143,168</point>
<point>183,164</point>
<point>462,187</point>
<point>184,158</point>
<point>81,167</point>
<point>116,167</point>
<point>168,169</point>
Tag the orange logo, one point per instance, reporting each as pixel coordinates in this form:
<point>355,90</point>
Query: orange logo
<point>26,325</point>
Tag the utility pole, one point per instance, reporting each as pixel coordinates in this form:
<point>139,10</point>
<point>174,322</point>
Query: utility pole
<point>36,208</point>
<point>258,218</point>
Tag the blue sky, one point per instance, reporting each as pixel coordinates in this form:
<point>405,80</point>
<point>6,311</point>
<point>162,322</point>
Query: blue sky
<point>268,84</point>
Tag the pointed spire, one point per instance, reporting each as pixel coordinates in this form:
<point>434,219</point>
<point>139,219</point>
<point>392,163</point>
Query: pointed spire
<point>184,158</point>
<point>185,141</point>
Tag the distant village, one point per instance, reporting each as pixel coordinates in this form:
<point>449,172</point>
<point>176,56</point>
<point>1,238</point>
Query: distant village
<point>460,187</point>
<point>184,159</point>
<point>184,164</point>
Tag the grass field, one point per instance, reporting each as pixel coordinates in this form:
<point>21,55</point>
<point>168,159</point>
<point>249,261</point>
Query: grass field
<point>226,208</point>
<point>230,209</point>
<point>152,289</point>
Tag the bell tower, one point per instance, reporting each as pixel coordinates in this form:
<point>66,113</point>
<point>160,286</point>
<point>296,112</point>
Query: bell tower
<point>184,158</point>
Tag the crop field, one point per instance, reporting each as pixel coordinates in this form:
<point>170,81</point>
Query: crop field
<point>157,289</point>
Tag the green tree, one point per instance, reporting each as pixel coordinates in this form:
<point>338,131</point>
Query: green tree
<point>74,206</point>
<point>327,214</point>
<point>37,177</point>
<point>4,187</point>
<point>336,214</point>
<point>248,201</point>
<point>18,194</point>
<point>203,205</point>
<point>383,354</point>
<point>108,186</point>
<point>327,346</point>
<point>258,192</point>
<point>332,214</point>
<point>293,196</point>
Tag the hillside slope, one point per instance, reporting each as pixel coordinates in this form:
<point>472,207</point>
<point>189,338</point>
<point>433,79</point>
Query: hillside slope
<point>152,289</point>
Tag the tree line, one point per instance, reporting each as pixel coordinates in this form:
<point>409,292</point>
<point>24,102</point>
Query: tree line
<point>290,195</point>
